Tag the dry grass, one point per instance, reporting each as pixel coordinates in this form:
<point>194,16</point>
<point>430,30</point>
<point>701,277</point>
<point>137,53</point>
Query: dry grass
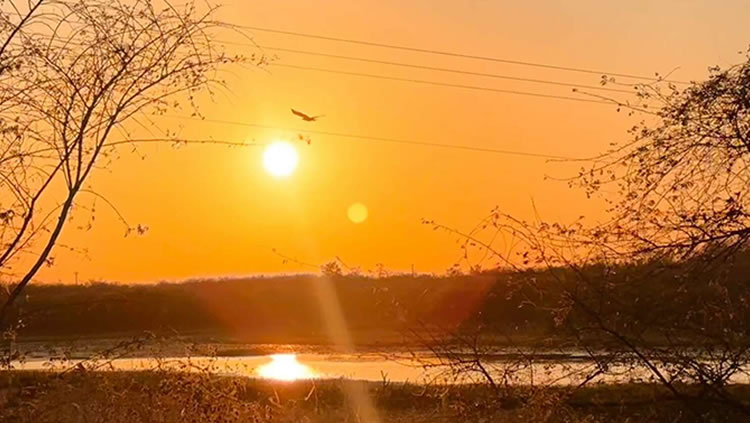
<point>195,397</point>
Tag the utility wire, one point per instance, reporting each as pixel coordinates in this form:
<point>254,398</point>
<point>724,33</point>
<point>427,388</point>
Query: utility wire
<point>377,138</point>
<point>446,84</point>
<point>440,69</point>
<point>461,55</point>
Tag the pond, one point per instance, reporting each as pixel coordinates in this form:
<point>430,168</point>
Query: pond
<point>373,367</point>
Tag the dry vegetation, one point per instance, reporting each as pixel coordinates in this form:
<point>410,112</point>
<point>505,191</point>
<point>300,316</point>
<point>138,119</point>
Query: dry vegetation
<point>662,284</point>
<point>179,397</point>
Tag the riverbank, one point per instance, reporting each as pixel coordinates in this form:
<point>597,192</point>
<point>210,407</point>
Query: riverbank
<point>192,397</point>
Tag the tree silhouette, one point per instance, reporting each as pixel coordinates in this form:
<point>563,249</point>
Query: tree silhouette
<point>662,283</point>
<point>682,181</point>
<point>73,74</point>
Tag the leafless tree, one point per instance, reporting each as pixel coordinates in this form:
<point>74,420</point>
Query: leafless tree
<point>75,76</point>
<point>661,286</point>
<point>682,180</point>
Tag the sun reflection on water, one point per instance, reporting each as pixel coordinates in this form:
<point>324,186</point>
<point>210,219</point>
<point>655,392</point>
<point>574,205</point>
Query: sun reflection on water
<point>285,367</point>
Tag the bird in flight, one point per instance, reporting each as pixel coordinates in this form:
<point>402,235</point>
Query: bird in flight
<point>306,117</point>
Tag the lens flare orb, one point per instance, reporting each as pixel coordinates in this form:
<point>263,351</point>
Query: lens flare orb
<point>357,213</point>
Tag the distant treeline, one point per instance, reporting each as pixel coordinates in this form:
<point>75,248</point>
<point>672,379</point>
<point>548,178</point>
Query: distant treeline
<point>275,309</point>
<point>285,309</point>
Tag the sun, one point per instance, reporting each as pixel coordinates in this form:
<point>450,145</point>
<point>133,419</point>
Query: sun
<point>285,367</point>
<point>280,159</point>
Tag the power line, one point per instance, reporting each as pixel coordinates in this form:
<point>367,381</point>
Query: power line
<point>446,84</point>
<point>377,138</point>
<point>455,54</point>
<point>440,69</point>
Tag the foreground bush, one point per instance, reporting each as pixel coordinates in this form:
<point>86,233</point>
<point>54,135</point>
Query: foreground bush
<point>202,397</point>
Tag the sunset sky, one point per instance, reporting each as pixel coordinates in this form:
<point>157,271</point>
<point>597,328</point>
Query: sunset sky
<point>215,211</point>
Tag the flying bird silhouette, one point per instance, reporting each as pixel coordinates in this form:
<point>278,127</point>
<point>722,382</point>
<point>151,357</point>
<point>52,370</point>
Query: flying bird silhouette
<point>306,117</point>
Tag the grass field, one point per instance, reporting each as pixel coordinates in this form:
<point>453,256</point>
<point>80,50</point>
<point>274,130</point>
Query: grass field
<point>181,397</point>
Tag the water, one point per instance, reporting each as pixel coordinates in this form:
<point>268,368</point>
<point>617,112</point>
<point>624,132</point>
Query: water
<point>374,368</point>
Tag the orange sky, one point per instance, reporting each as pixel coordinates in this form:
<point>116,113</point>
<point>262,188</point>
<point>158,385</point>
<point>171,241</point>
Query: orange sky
<point>214,211</point>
